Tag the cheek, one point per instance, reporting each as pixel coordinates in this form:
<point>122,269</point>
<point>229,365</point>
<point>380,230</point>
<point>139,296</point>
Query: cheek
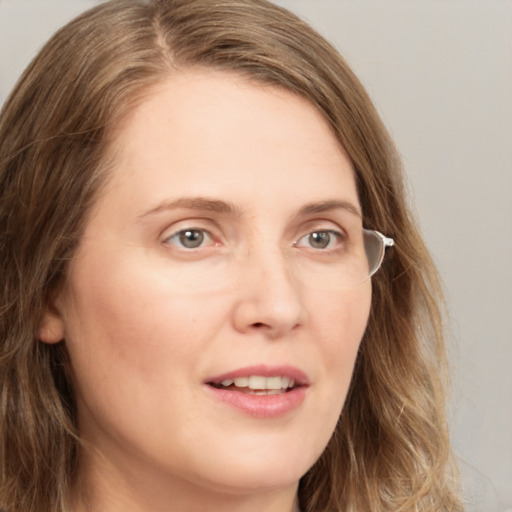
<point>133,322</point>
<point>343,315</point>
<point>132,343</point>
<point>340,319</point>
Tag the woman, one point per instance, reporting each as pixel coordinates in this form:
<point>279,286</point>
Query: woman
<point>188,320</point>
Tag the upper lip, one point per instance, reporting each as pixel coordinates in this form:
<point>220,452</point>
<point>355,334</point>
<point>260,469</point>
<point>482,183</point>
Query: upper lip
<point>291,372</point>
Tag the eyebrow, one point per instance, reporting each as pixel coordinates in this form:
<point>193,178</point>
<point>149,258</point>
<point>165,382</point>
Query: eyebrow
<point>228,208</point>
<point>333,204</point>
<point>195,203</point>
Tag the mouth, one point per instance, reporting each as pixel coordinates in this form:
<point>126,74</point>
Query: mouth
<point>261,391</point>
<point>257,384</point>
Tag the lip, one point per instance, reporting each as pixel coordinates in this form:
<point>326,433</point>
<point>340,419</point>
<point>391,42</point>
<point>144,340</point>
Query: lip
<point>291,372</point>
<point>261,406</point>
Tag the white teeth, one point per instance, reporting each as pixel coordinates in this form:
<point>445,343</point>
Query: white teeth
<point>274,383</point>
<point>257,382</point>
<point>241,382</point>
<point>260,383</point>
<point>285,382</point>
<point>265,392</point>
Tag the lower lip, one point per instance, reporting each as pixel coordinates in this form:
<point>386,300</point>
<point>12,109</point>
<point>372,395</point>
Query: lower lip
<point>261,406</point>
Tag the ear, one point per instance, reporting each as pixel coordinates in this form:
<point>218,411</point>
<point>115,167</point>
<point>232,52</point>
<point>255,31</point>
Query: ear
<point>51,328</point>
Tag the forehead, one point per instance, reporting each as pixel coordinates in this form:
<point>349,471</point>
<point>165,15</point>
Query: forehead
<point>200,130</point>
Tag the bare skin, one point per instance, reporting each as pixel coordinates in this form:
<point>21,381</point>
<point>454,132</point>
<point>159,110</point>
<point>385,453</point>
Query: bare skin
<point>200,259</point>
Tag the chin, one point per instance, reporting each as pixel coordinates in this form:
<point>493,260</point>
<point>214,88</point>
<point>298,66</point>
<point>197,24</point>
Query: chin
<point>250,479</point>
<point>262,467</point>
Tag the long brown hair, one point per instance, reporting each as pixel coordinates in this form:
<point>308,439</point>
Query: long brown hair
<point>390,450</point>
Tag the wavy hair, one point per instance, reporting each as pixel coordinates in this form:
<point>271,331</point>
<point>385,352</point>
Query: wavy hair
<point>390,450</point>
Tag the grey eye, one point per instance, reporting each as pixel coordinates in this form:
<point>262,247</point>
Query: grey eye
<point>320,239</point>
<point>189,238</point>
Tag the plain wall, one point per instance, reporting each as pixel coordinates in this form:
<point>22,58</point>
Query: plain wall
<point>440,73</point>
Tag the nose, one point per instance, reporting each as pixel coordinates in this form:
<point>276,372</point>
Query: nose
<point>268,296</point>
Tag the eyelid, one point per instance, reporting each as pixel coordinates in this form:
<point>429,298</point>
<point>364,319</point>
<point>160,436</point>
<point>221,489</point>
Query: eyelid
<point>338,234</point>
<point>214,236</point>
<point>204,226</point>
<point>209,241</point>
<point>323,224</point>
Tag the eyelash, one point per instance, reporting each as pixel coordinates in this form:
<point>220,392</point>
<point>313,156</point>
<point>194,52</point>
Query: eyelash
<point>177,237</point>
<point>203,234</point>
<point>334,236</point>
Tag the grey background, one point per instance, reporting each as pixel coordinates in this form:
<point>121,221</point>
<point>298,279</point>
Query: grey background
<point>440,73</point>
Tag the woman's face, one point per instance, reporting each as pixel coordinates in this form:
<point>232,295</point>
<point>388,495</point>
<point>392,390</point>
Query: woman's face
<point>207,277</point>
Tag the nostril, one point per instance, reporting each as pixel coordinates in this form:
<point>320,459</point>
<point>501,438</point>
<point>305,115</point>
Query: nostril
<point>258,324</point>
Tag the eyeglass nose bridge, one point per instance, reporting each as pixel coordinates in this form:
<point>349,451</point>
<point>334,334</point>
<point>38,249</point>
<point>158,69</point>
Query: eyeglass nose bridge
<point>375,244</point>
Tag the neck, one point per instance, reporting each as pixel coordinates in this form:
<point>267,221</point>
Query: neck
<point>102,487</point>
